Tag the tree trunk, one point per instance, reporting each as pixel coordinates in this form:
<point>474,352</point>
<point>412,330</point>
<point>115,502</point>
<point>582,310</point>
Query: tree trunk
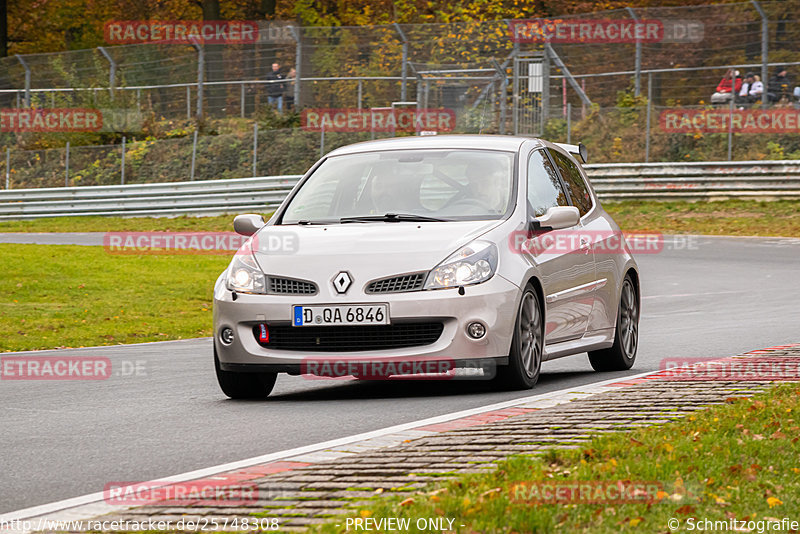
<point>3,28</point>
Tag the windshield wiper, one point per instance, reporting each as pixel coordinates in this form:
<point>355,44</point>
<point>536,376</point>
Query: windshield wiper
<point>306,222</point>
<point>392,217</point>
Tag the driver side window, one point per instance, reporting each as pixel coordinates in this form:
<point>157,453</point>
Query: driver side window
<point>544,187</point>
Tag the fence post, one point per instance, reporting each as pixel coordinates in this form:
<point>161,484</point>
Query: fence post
<point>298,63</point>
<point>194,154</point>
<point>764,50</point>
<point>201,59</point>
<point>649,107</point>
<point>241,100</point>
<point>583,104</point>
<point>404,67</point>
<point>27,80</point>
<point>569,123</point>
<point>546,86</point>
<point>322,138</point>
<point>8,168</point>
<point>360,91</point>
<point>66,168</point>
<point>188,101</point>
<point>638,64</point>
<point>255,148</point>
<point>122,181</point>
<point>112,75</point>
<point>730,116</point>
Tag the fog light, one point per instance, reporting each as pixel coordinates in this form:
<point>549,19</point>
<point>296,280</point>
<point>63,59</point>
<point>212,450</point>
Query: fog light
<point>263,333</point>
<point>476,330</point>
<point>226,336</point>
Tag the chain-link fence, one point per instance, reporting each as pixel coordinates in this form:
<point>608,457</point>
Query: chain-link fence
<point>605,90</point>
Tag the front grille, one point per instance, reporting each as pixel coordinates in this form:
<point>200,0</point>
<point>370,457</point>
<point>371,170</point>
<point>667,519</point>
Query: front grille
<point>288,286</point>
<point>397,284</point>
<point>351,338</point>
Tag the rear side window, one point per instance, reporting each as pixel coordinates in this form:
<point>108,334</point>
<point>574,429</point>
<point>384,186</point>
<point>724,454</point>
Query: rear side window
<point>544,187</point>
<point>578,192</point>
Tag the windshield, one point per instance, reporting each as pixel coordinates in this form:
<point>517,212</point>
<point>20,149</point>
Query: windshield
<point>406,185</point>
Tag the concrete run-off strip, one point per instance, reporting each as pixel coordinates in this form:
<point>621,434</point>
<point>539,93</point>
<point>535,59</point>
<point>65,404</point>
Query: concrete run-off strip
<point>314,487</point>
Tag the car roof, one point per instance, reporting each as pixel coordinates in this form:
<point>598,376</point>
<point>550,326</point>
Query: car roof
<point>476,142</point>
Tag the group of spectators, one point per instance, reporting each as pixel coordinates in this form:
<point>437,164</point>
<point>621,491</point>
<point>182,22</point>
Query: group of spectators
<point>750,89</point>
<point>280,89</point>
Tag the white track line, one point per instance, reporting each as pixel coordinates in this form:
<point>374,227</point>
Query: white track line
<point>92,505</point>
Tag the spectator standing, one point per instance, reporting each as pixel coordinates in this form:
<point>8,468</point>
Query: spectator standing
<point>288,95</point>
<point>275,89</point>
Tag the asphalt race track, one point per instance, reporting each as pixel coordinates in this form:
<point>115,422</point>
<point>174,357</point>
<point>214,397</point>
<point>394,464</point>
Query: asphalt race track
<point>703,297</point>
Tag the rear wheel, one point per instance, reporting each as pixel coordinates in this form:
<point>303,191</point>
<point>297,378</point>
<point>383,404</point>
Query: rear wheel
<point>622,353</point>
<point>244,385</point>
<point>525,358</point>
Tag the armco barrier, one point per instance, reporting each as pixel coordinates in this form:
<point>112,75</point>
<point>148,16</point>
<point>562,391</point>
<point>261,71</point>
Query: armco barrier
<point>210,197</point>
<point>613,181</point>
<point>696,180</point>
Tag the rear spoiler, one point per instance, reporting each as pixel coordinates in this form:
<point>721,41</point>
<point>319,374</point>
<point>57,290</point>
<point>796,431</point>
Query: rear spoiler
<point>579,151</point>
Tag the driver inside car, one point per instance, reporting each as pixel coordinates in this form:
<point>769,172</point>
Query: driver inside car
<point>487,185</point>
<point>392,193</point>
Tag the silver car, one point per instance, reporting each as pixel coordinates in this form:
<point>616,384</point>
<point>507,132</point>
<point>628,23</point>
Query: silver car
<point>424,255</point>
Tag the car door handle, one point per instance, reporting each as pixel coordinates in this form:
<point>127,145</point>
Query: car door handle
<point>585,245</point>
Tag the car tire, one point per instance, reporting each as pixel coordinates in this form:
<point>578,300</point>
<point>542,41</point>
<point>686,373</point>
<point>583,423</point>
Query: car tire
<point>527,345</point>
<point>621,355</point>
<point>244,385</point>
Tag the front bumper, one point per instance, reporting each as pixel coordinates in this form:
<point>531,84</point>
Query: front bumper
<point>493,303</point>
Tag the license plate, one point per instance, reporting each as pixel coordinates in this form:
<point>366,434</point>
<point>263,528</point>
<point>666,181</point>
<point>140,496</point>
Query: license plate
<point>353,314</point>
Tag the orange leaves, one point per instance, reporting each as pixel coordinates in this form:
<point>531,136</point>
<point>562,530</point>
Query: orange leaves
<point>773,502</point>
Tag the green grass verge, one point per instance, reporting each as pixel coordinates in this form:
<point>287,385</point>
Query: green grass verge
<point>72,296</point>
<point>217,223</point>
<point>739,460</point>
<point>728,217</point>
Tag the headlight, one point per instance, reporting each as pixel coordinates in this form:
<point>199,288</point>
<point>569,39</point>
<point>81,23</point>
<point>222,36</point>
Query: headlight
<point>244,274</point>
<point>472,264</point>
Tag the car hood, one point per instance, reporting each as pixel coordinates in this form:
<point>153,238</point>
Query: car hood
<point>366,250</point>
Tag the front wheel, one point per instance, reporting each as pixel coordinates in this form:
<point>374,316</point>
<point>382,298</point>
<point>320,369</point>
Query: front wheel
<point>525,358</point>
<point>244,385</point>
<point>622,353</point>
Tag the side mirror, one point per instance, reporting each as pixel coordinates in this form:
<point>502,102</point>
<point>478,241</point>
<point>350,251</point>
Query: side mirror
<point>557,218</point>
<point>248,224</point>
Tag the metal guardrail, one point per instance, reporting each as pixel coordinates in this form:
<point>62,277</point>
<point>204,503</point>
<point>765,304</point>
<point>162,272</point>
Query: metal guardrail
<point>613,181</point>
<point>696,180</point>
<point>210,197</point>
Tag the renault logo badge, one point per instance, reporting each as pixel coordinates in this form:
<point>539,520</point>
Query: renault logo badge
<point>342,281</point>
